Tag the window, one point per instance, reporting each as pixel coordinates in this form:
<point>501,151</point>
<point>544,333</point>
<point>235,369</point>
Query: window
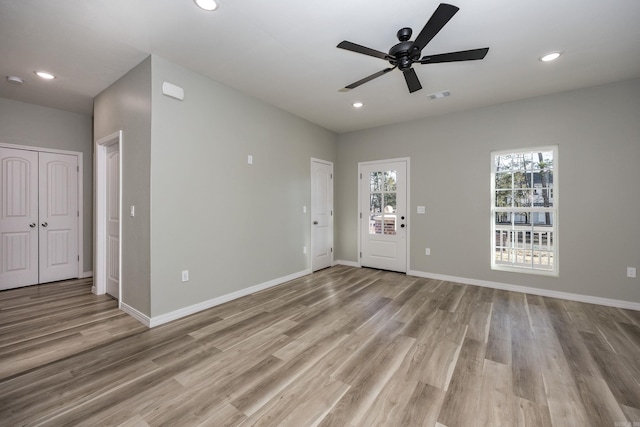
<point>524,210</point>
<point>382,206</point>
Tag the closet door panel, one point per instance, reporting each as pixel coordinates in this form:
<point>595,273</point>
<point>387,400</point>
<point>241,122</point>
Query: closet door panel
<point>18,218</point>
<point>58,212</point>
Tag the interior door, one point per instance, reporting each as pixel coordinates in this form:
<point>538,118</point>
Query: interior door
<point>58,216</point>
<point>383,215</point>
<point>18,218</point>
<point>321,214</point>
<point>113,221</point>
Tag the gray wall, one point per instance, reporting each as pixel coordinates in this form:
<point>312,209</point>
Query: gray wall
<point>598,134</point>
<point>36,126</point>
<point>232,225</point>
<point>126,106</point>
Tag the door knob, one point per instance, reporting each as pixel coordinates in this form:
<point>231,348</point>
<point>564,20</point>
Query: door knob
<point>315,222</point>
<point>33,224</point>
<point>44,224</point>
<point>401,225</point>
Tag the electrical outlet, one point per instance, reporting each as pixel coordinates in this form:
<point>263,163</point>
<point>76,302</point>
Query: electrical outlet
<point>631,272</point>
<point>427,251</point>
<point>185,275</point>
<point>304,249</point>
<point>250,159</point>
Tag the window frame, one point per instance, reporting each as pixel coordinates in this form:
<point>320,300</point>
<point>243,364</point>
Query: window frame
<point>532,209</point>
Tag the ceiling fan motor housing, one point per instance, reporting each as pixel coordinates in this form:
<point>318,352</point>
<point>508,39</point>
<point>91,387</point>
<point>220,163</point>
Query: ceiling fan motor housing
<point>402,54</point>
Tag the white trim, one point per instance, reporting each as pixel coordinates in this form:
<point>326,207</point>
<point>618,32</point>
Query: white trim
<point>529,290</point>
<point>80,165</point>
<point>100,150</point>
<point>331,222</point>
<point>347,263</point>
<point>186,311</point>
<point>140,317</point>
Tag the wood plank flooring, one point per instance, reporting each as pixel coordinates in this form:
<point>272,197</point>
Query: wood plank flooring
<point>341,347</point>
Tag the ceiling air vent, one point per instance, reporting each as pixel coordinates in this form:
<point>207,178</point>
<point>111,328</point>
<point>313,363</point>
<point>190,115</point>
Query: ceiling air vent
<point>439,95</point>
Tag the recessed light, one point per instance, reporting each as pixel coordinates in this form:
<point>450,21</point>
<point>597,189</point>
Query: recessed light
<point>358,105</point>
<point>15,80</point>
<point>45,75</point>
<point>207,4</point>
<point>550,56</point>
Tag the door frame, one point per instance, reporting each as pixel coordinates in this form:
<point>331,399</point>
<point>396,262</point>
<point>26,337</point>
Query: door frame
<point>330,164</point>
<point>362,208</point>
<point>100,243</point>
<point>78,154</point>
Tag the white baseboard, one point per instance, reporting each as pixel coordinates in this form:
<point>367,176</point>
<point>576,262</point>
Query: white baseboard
<point>86,274</point>
<point>528,290</point>
<point>142,318</point>
<point>347,263</point>
<point>186,311</point>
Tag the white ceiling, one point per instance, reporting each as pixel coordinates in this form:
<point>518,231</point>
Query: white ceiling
<point>284,51</point>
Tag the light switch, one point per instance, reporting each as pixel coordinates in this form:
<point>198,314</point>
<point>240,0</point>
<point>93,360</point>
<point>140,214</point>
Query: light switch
<point>250,159</point>
<point>304,209</point>
<point>421,210</point>
<point>133,210</point>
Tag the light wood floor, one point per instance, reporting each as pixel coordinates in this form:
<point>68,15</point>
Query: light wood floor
<point>342,347</point>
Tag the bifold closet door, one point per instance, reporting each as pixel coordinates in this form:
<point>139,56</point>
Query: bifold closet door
<point>38,217</point>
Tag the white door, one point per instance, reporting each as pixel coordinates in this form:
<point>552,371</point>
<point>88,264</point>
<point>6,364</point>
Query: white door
<point>58,216</point>
<point>18,218</point>
<point>113,221</point>
<point>383,215</point>
<point>321,214</point>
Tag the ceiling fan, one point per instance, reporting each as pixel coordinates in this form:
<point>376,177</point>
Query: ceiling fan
<point>404,54</point>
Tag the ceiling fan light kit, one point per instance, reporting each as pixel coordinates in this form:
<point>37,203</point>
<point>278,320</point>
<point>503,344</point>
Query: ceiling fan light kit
<point>406,53</point>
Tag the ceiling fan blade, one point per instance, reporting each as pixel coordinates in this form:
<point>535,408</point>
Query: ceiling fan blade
<point>463,55</point>
<point>369,78</point>
<point>362,49</point>
<point>440,17</point>
<point>411,78</point>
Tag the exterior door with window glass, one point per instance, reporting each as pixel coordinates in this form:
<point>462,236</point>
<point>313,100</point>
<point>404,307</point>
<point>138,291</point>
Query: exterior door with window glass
<point>383,215</point>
